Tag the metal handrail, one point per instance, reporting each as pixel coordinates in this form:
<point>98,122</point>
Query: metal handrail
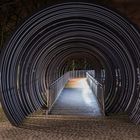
<point>98,90</point>
<point>55,89</point>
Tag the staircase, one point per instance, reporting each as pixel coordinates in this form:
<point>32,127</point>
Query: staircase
<point>78,111</point>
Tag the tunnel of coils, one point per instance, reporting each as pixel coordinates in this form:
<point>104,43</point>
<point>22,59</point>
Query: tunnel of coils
<point>43,47</point>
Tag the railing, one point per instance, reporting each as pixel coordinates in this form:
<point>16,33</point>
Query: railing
<point>98,90</point>
<point>56,88</point>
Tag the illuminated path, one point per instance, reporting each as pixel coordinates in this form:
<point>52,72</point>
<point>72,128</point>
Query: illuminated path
<point>76,99</point>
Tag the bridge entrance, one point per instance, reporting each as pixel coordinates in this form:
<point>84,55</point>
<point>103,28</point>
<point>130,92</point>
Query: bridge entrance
<point>77,97</point>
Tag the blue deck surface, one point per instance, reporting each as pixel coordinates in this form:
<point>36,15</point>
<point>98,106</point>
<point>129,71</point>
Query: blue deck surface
<point>76,99</point>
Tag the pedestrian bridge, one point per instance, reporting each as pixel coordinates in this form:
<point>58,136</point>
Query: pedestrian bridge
<point>77,98</point>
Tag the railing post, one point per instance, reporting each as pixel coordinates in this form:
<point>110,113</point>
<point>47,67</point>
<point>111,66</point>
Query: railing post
<point>103,100</point>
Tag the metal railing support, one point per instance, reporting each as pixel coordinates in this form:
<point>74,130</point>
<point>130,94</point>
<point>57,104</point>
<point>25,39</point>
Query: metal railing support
<point>98,90</point>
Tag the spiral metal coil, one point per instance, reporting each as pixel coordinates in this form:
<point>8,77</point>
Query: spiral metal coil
<point>39,50</point>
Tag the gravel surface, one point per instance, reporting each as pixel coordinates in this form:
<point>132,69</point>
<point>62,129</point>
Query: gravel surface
<point>40,128</point>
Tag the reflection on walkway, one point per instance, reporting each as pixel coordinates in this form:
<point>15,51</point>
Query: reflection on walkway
<point>76,99</point>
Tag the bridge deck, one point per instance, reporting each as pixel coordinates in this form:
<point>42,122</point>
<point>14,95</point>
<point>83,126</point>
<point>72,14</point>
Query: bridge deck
<point>76,99</point>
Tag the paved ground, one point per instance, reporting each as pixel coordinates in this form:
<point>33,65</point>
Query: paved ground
<point>2,116</point>
<point>39,128</point>
<point>77,98</point>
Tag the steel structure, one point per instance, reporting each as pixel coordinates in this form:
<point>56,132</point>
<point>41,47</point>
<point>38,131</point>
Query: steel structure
<point>38,52</point>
